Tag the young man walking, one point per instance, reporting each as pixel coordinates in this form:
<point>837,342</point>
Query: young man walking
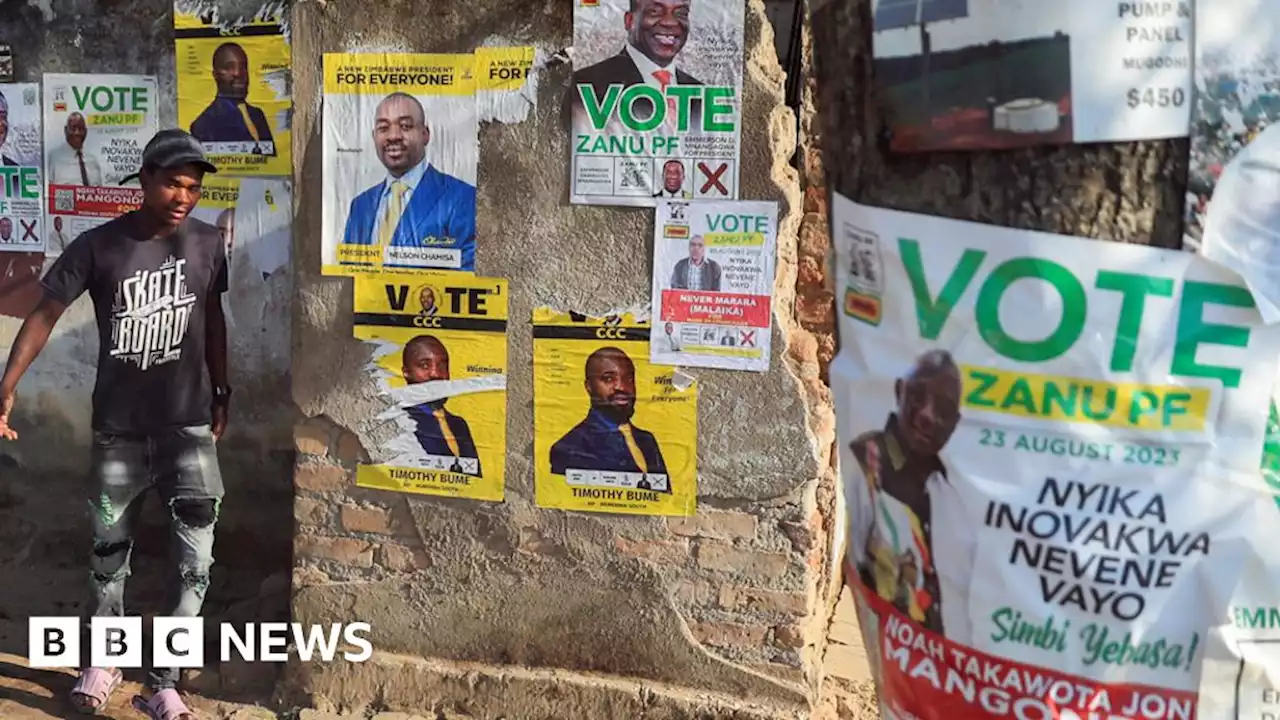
<point>156,278</point>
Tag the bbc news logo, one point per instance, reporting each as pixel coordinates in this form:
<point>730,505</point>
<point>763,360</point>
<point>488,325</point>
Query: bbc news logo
<point>178,642</point>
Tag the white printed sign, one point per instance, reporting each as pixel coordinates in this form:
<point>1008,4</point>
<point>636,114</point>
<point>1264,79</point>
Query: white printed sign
<point>1049,449</point>
<point>995,74</point>
<point>713,265</point>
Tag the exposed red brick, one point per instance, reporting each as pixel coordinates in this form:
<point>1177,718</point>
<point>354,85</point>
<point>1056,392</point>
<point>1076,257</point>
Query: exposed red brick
<point>308,511</point>
<point>815,241</point>
<point>809,273</point>
<point>311,437</point>
<point>306,576</point>
<point>319,477</point>
<point>817,310</point>
<point>348,551</point>
<point>715,524</point>
<point>671,552</point>
<point>738,597</point>
<point>399,558</point>
<point>728,634</point>
<point>815,199</point>
<point>367,520</point>
<point>726,558</point>
<point>789,636</point>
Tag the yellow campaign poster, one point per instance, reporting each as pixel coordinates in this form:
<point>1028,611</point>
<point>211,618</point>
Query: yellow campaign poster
<point>613,433</point>
<point>234,90</point>
<point>399,158</point>
<point>503,68</point>
<point>440,359</point>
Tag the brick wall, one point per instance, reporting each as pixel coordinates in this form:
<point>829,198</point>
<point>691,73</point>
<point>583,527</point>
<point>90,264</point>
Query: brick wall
<point>745,580</point>
<point>342,532</point>
<point>816,312</point>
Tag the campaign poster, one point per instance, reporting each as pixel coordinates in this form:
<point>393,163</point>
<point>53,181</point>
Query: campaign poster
<point>439,349</point>
<point>656,101</point>
<point>1233,182</point>
<point>1000,74</point>
<point>713,267</point>
<point>401,146</point>
<point>21,169</point>
<point>1049,450</point>
<point>502,74</point>
<point>234,89</point>
<point>95,128</point>
<point>613,433</point>
<point>254,218</point>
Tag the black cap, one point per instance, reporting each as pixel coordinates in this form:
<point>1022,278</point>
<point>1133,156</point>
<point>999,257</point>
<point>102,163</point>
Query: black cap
<point>174,148</point>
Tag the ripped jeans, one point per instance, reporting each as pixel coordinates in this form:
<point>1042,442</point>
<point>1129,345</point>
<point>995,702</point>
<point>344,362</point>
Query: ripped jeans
<point>182,466</point>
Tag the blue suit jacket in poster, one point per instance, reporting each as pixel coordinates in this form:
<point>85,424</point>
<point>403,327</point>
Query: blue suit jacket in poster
<point>441,214</point>
<point>222,122</point>
<point>432,439</point>
<point>597,443</point>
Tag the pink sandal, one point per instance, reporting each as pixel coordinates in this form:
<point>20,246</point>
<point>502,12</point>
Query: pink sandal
<point>164,705</point>
<point>95,684</point>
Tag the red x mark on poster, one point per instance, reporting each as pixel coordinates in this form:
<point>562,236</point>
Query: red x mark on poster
<point>748,338</point>
<point>28,230</point>
<point>713,178</point>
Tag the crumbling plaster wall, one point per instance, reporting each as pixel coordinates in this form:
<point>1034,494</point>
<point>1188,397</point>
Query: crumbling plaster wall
<point>48,464</point>
<point>727,601</point>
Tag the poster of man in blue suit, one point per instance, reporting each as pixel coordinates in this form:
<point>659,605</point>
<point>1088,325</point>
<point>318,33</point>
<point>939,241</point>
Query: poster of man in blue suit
<point>420,216</point>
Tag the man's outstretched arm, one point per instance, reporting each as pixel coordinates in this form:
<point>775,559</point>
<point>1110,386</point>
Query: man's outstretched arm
<point>31,340</point>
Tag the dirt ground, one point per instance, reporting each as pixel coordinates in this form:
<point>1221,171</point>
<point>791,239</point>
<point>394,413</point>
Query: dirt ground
<point>44,544</point>
<point>35,694</point>
<point>44,548</point>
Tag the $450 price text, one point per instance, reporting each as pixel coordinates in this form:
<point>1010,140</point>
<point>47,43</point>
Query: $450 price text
<point>1156,97</point>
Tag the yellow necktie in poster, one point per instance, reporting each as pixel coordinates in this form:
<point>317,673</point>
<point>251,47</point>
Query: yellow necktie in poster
<point>449,439</point>
<point>227,78</point>
<point>636,454</point>
<point>248,122</point>
<point>439,347</point>
<point>612,432</point>
<point>395,208</point>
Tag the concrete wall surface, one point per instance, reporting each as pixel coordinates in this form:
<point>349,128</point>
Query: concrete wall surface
<point>491,609</point>
<point>43,500</point>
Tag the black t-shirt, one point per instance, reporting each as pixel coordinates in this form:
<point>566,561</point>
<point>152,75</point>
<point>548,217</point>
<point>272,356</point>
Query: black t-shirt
<point>149,298</point>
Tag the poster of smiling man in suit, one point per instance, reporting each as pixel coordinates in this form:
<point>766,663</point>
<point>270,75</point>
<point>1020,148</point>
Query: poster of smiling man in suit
<point>655,81</point>
<point>400,154</point>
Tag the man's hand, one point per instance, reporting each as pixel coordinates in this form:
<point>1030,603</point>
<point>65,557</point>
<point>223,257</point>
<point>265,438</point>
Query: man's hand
<point>6,409</point>
<point>219,419</point>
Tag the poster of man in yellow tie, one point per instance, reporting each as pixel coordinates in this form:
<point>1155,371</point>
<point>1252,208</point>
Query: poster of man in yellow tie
<point>438,349</point>
<point>234,87</point>
<point>401,144</point>
<point>656,100</point>
<point>612,433</point>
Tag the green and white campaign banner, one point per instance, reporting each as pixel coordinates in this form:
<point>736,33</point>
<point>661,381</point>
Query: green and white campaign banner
<point>21,167</point>
<point>656,101</point>
<point>95,128</point>
<point>1049,451</point>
